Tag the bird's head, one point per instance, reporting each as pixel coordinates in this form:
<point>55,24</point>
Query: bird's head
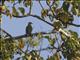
<point>30,23</point>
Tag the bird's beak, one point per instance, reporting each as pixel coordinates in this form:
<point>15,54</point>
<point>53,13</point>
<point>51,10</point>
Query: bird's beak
<point>30,22</point>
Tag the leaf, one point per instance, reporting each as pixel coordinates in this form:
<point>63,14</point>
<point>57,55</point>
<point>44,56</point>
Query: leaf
<point>74,34</point>
<point>65,6</point>
<point>57,24</point>
<point>8,0</point>
<point>73,11</point>
<point>76,11</point>
<point>46,37</point>
<point>48,2</point>
<point>63,37</point>
<point>14,11</point>
<point>53,9</point>
<point>56,56</point>
<point>35,43</point>
<point>19,1</point>
<point>2,2</point>
<point>7,12</point>
<point>0,20</point>
<point>29,58</point>
<point>21,43</point>
<point>22,10</point>
<point>39,35</point>
<point>65,18</point>
<point>10,16</point>
<point>44,12</point>
<point>51,42</point>
<point>27,3</point>
<point>12,1</point>
<point>3,8</point>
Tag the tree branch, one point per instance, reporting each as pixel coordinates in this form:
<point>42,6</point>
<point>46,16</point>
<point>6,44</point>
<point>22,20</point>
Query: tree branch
<point>74,24</point>
<point>41,5</point>
<point>46,21</point>
<point>23,36</point>
<point>38,17</point>
<point>42,19</point>
<point>48,48</point>
<point>15,3</point>
<point>5,32</point>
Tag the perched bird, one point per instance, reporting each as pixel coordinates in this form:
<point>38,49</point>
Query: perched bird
<point>29,29</point>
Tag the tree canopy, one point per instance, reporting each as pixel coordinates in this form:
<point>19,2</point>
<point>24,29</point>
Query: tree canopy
<point>60,18</point>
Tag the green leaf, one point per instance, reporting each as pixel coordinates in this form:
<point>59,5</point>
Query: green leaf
<point>65,18</point>
<point>44,12</point>
<point>51,42</point>
<point>7,12</point>
<point>65,6</point>
<point>73,11</point>
<point>46,37</point>
<point>3,2</point>
<point>74,34</point>
<point>53,10</point>
<point>48,2</point>
<point>63,37</point>
<point>56,56</point>
<point>14,11</point>
<point>27,3</point>
<point>19,1</point>
<point>57,24</point>
<point>22,10</point>
<point>39,35</point>
<point>12,1</point>
<point>35,43</point>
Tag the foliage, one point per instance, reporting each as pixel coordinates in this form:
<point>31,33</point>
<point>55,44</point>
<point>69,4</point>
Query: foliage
<point>61,18</point>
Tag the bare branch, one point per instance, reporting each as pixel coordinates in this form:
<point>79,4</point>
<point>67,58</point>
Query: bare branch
<point>48,48</point>
<point>15,3</point>
<point>5,32</point>
<point>38,17</point>
<point>41,19</point>
<point>23,36</point>
<point>74,24</point>
<point>41,5</point>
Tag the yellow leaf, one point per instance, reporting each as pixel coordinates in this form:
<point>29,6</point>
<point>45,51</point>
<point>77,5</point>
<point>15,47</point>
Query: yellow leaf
<point>29,58</point>
<point>3,8</point>
<point>48,2</point>
<point>21,43</point>
<point>44,12</point>
<point>0,20</point>
<point>10,16</point>
<point>7,12</point>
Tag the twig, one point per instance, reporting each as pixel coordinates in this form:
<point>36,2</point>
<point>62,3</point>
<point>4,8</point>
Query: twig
<point>48,48</point>
<point>38,17</point>
<point>5,32</point>
<point>15,3</point>
<point>41,5</point>
<point>23,36</point>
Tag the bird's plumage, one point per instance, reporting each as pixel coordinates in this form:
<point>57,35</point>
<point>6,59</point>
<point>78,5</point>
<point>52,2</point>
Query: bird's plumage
<point>29,29</point>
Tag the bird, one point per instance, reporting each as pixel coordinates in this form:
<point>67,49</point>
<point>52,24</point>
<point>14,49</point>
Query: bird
<point>29,29</point>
